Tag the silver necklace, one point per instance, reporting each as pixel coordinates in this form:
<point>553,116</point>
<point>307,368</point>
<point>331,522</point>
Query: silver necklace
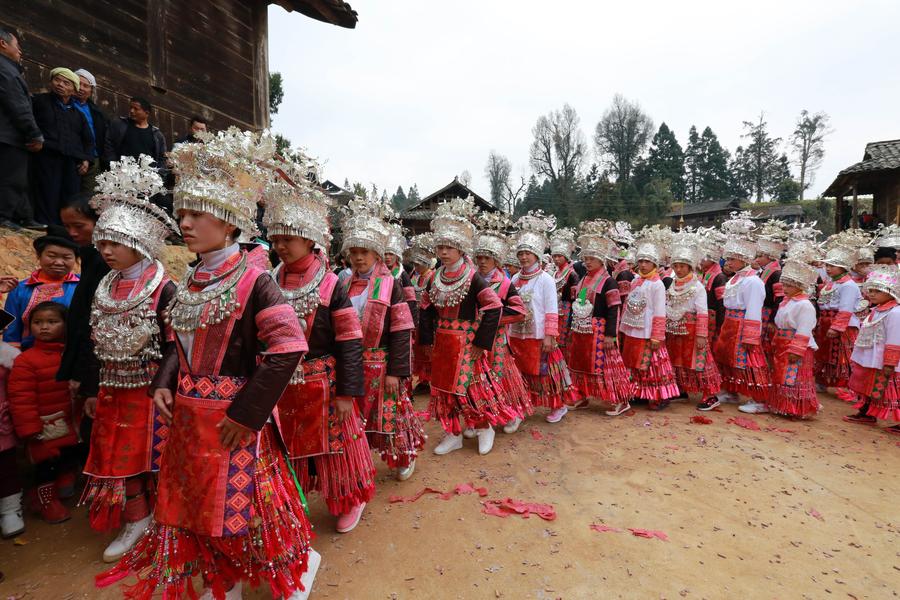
<point>448,293</point>
<point>191,310</point>
<point>305,298</point>
<point>126,332</point>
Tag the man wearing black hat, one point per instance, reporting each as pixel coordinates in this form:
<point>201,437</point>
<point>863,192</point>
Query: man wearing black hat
<point>53,280</point>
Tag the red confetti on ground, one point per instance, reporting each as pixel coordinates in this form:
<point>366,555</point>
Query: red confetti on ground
<point>745,423</point>
<point>461,489</point>
<point>601,528</point>
<point>780,430</point>
<point>423,415</point>
<point>536,434</point>
<point>629,413</point>
<point>700,419</point>
<point>649,534</point>
<point>815,514</point>
<point>508,506</point>
<point>672,448</point>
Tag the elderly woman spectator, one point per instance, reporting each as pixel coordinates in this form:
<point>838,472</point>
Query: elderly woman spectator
<point>68,146</point>
<point>53,280</point>
<point>97,121</point>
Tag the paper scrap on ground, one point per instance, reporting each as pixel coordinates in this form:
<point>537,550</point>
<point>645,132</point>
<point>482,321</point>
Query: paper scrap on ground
<point>745,423</point>
<point>460,489</point>
<point>509,506</point>
<point>649,534</point>
<point>601,528</point>
<point>701,420</point>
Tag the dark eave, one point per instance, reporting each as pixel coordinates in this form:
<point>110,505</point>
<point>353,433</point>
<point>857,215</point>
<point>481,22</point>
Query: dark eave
<point>336,12</point>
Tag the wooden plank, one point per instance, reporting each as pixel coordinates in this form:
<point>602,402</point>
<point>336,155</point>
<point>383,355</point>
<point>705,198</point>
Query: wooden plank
<point>261,118</point>
<point>157,47</point>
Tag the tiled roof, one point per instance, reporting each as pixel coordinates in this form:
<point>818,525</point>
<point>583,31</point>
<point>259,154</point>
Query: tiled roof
<point>699,208</point>
<point>879,156</point>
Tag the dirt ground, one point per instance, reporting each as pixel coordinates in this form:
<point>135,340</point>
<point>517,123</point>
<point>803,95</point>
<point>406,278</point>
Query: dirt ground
<point>808,512</point>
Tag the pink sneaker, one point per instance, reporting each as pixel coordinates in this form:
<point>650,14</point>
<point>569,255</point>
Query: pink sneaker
<point>348,521</point>
<point>845,394</point>
<point>557,415</point>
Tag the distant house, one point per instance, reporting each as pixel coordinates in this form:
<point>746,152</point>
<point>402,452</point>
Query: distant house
<point>417,218</point>
<point>702,214</point>
<point>339,195</point>
<point>204,57</point>
<point>878,174</point>
<point>791,213</point>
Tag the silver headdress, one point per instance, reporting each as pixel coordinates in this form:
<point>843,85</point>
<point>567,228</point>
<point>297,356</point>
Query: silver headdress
<point>772,238</point>
<point>396,242</point>
<point>365,225</point>
<point>738,230</point>
<point>712,242</point>
<point>593,241</point>
<point>884,278</point>
<point>452,224</point>
<point>562,242</point>
<point>421,249</point>
<point>842,248</point>
<point>687,248</point>
<point>295,205</point>
<point>224,176</point>
<point>798,268</point>
<point>492,240</point>
<point>653,243</point>
<point>127,216</point>
<point>533,229</point>
<point>620,232</point>
<point>888,237</point>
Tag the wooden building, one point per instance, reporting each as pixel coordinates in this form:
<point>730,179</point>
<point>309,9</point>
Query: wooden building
<point>204,57</point>
<point>702,214</point>
<point>878,175</point>
<point>417,218</point>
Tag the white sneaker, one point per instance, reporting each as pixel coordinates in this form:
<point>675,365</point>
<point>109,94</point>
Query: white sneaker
<point>618,409</point>
<point>312,565</point>
<point>469,433</point>
<point>126,540</point>
<point>512,426</point>
<point>235,593</point>
<point>753,408</point>
<point>11,522</point>
<point>407,472</point>
<point>557,415</point>
<point>485,440</point>
<point>449,444</point>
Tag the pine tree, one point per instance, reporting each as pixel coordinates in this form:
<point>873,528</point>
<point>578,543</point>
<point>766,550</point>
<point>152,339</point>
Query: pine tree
<point>714,167</point>
<point>762,158</point>
<point>693,160</point>
<point>664,162</point>
<point>412,197</point>
<point>399,200</point>
<point>347,184</point>
<point>738,186</point>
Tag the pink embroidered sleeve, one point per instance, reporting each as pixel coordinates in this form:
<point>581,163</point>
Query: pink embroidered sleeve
<point>409,294</point>
<point>514,311</point>
<point>613,298</point>
<point>624,287</point>
<point>401,317</point>
<point>778,290</point>
<point>841,321</point>
<point>658,329</point>
<point>346,324</point>
<point>720,292</point>
<point>750,332</point>
<point>488,299</point>
<point>702,324</point>
<point>279,329</point>
<point>891,355</point>
<point>551,324</point>
<point>798,344</point>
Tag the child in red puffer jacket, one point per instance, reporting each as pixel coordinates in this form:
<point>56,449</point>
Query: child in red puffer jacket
<point>41,408</point>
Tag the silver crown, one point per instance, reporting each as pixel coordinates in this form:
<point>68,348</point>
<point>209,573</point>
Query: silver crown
<point>738,228</point>
<point>492,240</point>
<point>421,249</point>
<point>562,242</point>
<point>593,241</point>
<point>532,232</point>
<point>396,242</point>
<point>452,224</point>
<point>365,225</point>
<point>296,206</point>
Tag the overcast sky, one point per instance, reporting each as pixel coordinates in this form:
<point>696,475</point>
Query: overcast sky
<point>422,90</point>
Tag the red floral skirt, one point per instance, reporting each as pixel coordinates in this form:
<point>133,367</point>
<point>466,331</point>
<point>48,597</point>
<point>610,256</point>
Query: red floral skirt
<point>743,367</point>
<point>651,370</point>
<point>793,389</point>
<point>879,392</point>
<point>598,372</point>
<point>832,359</point>
<point>546,373</point>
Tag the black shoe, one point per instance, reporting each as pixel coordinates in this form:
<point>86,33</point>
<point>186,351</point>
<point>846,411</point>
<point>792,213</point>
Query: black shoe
<point>7,224</point>
<point>683,396</point>
<point>34,225</point>
<point>662,405</point>
<point>709,404</point>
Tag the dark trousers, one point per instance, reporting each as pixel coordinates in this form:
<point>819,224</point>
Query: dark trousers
<point>54,179</point>
<point>10,482</point>
<point>14,204</point>
<point>48,470</point>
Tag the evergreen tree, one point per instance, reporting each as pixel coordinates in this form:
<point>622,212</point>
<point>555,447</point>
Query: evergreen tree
<point>714,167</point>
<point>762,160</point>
<point>412,197</point>
<point>738,186</point>
<point>782,185</point>
<point>399,200</point>
<point>656,201</point>
<point>693,165</point>
<point>664,162</point>
<point>347,184</point>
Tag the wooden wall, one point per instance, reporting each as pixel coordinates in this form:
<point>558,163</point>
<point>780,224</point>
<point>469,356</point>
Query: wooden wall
<point>206,57</point>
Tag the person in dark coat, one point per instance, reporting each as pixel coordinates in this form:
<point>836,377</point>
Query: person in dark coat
<point>19,135</point>
<point>98,123</point>
<point>68,146</point>
<point>198,125</point>
<point>135,135</point>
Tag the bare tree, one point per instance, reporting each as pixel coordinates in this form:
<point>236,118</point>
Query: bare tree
<point>808,141</point>
<point>558,150</point>
<point>497,171</point>
<point>513,195</point>
<point>621,135</point>
<point>465,177</point>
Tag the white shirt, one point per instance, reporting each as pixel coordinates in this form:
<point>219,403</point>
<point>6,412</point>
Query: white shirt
<point>541,290</point>
<point>653,292</point>
<point>747,294</point>
<point>882,323</point>
<point>845,297</point>
<point>799,315</point>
